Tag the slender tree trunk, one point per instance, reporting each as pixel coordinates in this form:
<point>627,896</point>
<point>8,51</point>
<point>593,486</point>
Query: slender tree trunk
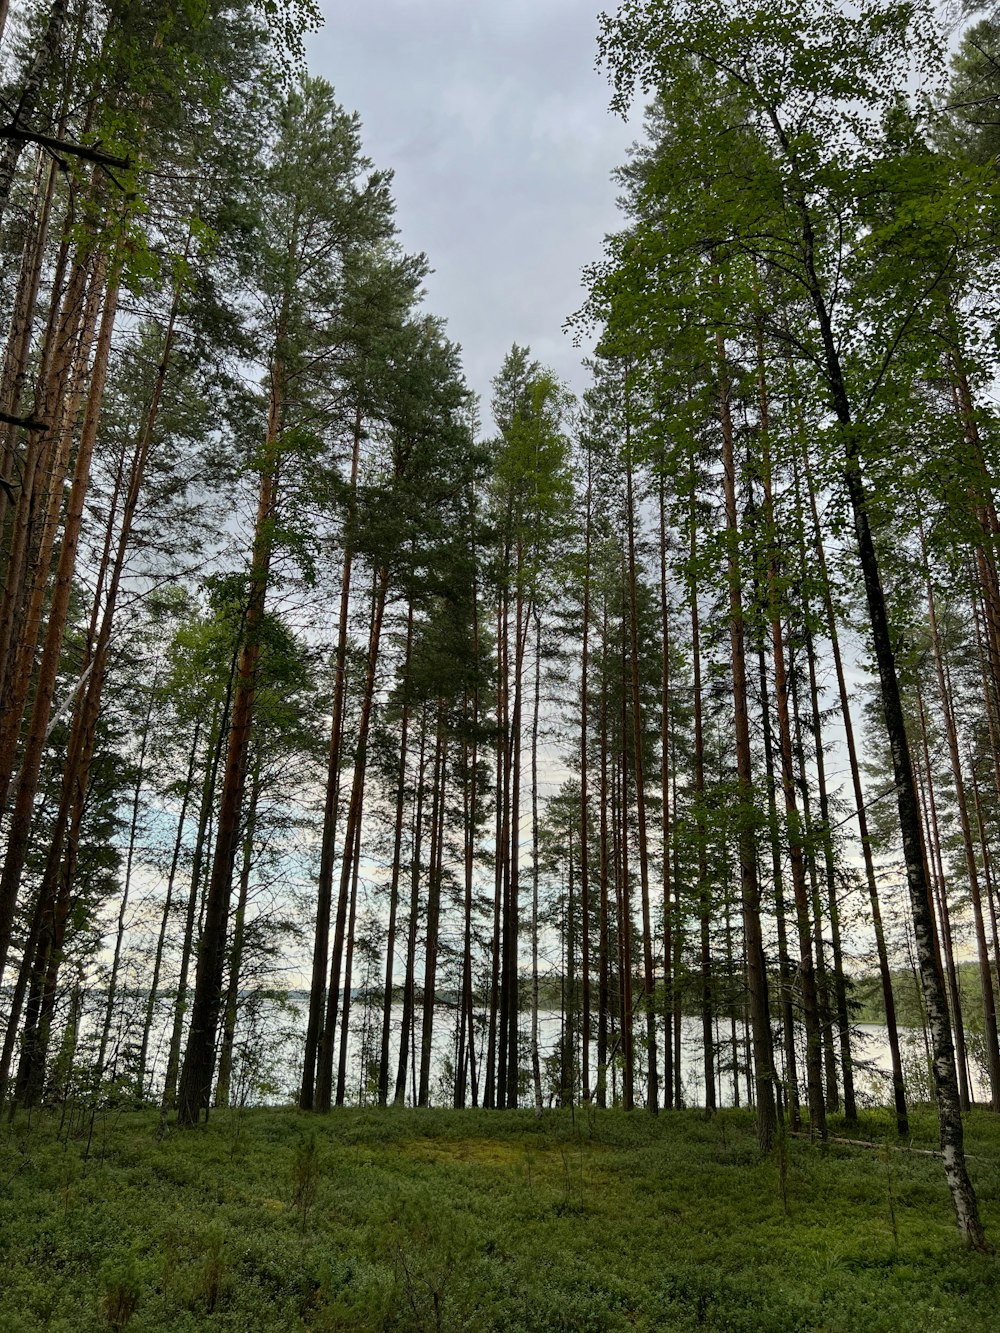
<point>671,918</point>
<point>809,841</point>
<point>885,972</point>
<point>216,749</point>
<point>195,1087</point>
<point>638,770</point>
<point>678,934</point>
<point>780,907</point>
<point>231,1005</point>
<point>983,507</point>
<point>993,725</point>
<point>945,1080</point>
<point>604,942</point>
<point>585,907</point>
<point>810,998</point>
<point>536,1062</point>
<point>833,907</point>
<point>466,1066</point>
<point>522,618</point>
<point>760,1019</point>
<point>438,783</point>
<point>65,351</point>
<point>972,869</point>
<point>496,1075</point>
<point>471,826</point>
<point>407,1024</point>
<point>19,827</point>
<point>13,380</point>
<point>938,887</point>
<point>397,847</point>
<point>987,867</point>
<point>704,893</point>
<point>624,889</point>
<point>68,822</point>
<point>161,939</point>
<point>345,1014</point>
<point>67,300</point>
<point>569,1062</point>
<point>27,610</point>
<point>133,834</point>
<point>352,834</point>
<point>45,57</point>
<point>324,900</point>
<point>731,973</point>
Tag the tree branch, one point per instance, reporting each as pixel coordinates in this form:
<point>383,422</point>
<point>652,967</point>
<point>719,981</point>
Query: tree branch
<point>80,150</point>
<point>26,423</point>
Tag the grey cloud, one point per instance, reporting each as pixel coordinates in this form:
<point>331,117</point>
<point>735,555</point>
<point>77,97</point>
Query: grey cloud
<point>496,124</point>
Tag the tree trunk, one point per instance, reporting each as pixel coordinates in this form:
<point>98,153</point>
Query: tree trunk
<point>231,1006</point>
<point>470,765</point>
<point>885,973</point>
<point>839,980</point>
<point>639,776</point>
<point>809,840</point>
<point>161,939</point>
<point>704,893</point>
<point>13,381</point>
<point>409,980</point>
<point>19,827</point>
<point>133,833</point>
<point>510,989</point>
<point>352,835</point>
<point>938,886</point>
<point>585,1022</point>
<point>671,918</point>
<point>354,856</point>
<point>987,867</point>
<point>760,1019</point>
<point>497,1034</point>
<point>945,1080</point>
<point>604,942</point>
<point>438,785</point>
<point>195,1087</point>
<point>324,898</point>
<point>465,1067</point>
<point>972,869</point>
<point>66,346</point>
<point>23,112</point>
<point>536,1063</point>
<point>780,906</point>
<point>397,846</point>
<point>216,748</point>
<point>624,895</point>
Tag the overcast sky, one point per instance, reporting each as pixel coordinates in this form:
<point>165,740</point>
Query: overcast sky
<point>495,122</point>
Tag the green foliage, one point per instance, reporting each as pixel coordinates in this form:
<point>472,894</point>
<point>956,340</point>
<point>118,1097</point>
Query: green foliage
<point>305,1176</point>
<point>120,1287</point>
<point>488,1221</point>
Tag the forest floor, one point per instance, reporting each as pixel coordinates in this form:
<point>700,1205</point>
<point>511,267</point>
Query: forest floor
<point>413,1220</point>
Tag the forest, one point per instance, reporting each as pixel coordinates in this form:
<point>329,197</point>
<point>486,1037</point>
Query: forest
<point>365,745</point>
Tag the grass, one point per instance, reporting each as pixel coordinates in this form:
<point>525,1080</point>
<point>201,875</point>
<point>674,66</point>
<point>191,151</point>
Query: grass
<point>404,1220</point>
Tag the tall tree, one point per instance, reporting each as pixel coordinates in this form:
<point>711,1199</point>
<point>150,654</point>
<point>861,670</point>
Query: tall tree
<point>814,97</point>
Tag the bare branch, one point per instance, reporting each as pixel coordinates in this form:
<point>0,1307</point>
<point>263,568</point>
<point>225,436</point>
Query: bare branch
<point>103,159</point>
<point>26,423</point>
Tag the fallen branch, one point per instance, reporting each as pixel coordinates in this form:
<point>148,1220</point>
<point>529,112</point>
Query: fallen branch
<point>864,1143</point>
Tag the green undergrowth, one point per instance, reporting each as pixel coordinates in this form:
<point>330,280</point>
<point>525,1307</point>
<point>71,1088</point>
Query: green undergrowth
<point>412,1220</point>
